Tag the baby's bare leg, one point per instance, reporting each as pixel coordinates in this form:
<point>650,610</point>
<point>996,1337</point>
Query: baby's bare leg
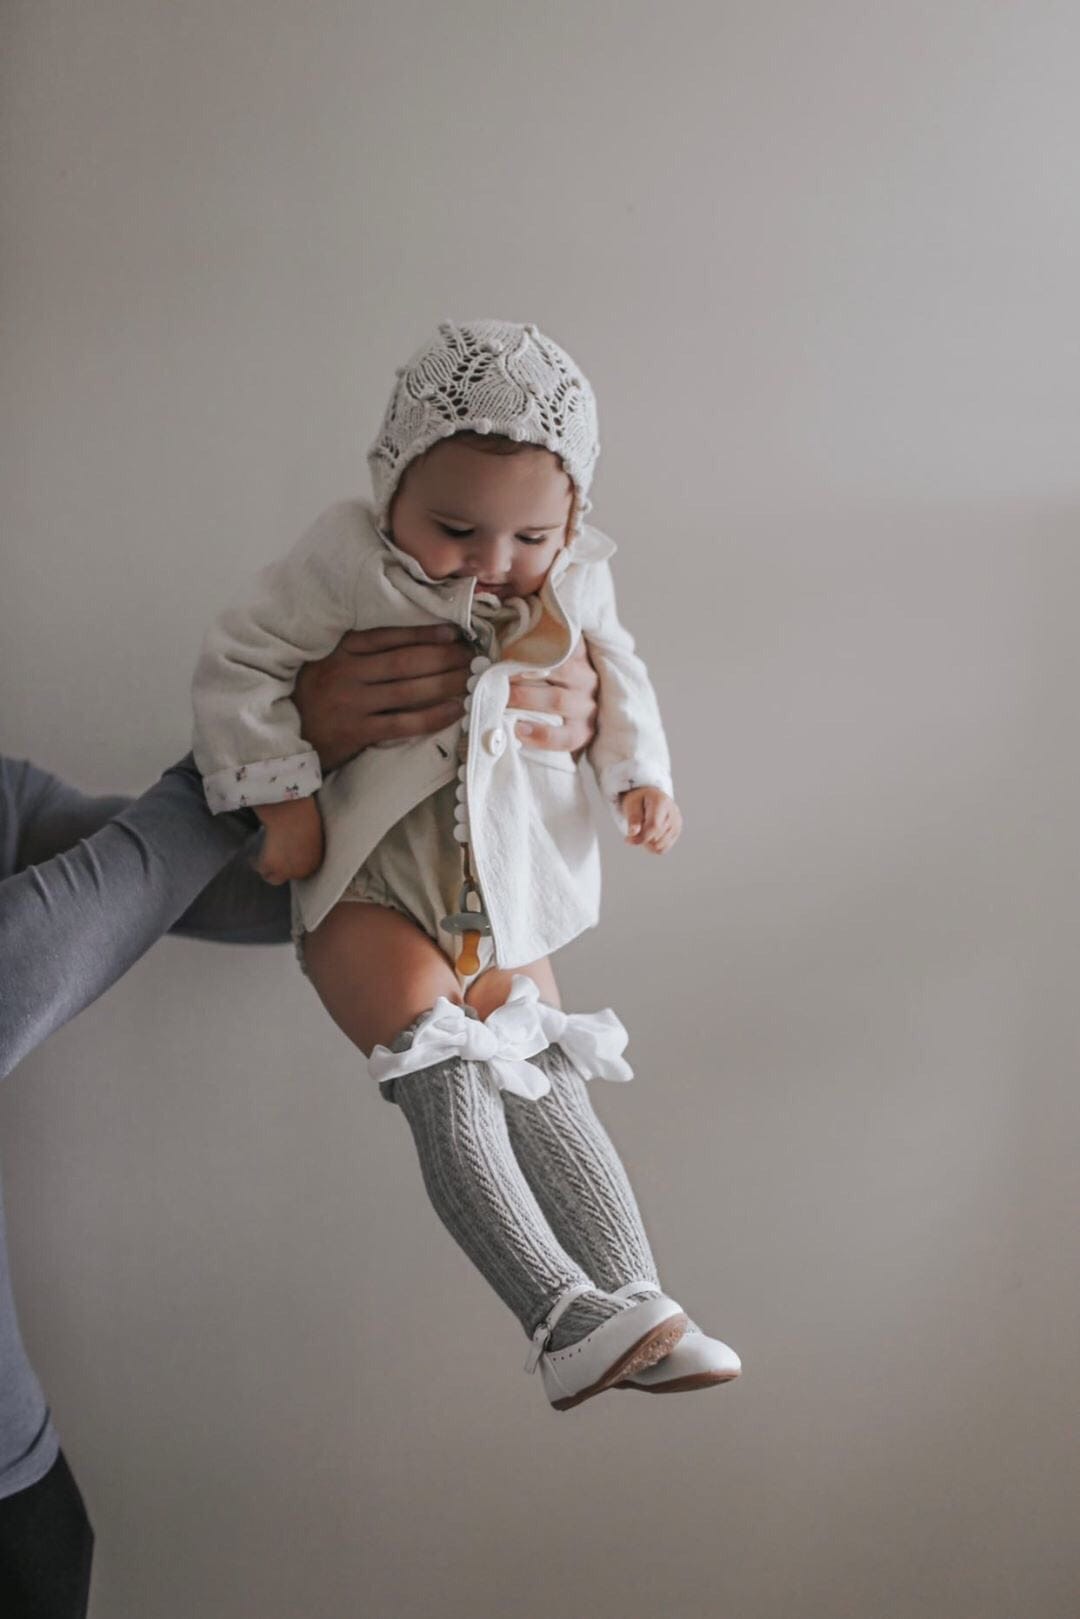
<point>376,971</point>
<point>492,987</point>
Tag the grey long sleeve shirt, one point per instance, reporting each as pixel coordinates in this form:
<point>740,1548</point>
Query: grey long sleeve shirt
<point>86,887</point>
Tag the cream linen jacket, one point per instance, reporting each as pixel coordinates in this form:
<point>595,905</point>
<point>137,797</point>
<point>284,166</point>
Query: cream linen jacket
<point>532,834</point>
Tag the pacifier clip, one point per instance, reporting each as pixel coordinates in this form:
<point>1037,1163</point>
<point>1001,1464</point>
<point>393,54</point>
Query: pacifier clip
<point>470,921</point>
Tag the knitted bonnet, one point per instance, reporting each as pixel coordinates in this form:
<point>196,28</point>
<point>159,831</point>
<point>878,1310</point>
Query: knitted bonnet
<point>487,376</point>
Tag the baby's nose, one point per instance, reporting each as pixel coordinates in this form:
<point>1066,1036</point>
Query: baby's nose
<point>491,559</point>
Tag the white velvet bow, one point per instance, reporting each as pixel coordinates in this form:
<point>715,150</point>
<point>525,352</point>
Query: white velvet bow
<point>592,1041</point>
<point>504,1040</point>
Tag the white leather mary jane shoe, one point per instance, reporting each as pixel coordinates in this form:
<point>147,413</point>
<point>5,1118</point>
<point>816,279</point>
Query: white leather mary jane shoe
<point>696,1362</point>
<point>622,1346</point>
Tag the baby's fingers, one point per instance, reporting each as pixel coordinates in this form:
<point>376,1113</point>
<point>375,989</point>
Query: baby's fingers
<point>655,838</point>
<point>667,831</point>
<point>634,810</point>
<point>647,819</point>
<point>270,871</point>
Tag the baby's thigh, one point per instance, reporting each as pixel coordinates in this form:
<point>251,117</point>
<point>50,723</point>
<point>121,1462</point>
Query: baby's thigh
<point>491,988</point>
<point>375,971</point>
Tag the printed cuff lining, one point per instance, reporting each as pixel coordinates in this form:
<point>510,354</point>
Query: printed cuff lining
<point>267,781</point>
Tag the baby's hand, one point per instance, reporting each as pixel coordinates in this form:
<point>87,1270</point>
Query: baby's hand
<point>654,819</point>
<point>293,846</point>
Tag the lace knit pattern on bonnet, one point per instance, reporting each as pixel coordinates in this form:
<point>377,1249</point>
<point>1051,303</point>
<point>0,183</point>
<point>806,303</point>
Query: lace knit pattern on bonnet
<point>487,376</point>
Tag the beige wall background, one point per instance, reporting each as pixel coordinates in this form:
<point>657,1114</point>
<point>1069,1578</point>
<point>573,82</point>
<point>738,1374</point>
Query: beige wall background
<point>820,263</point>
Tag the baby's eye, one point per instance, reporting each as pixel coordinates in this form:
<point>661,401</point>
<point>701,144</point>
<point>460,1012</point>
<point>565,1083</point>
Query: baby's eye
<point>463,534</point>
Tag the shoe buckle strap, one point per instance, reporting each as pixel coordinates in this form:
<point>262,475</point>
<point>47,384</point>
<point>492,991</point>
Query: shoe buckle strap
<point>539,1341</point>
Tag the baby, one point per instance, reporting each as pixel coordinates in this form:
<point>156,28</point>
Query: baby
<point>433,877</point>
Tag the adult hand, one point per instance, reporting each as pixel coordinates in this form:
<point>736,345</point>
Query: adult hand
<point>569,691</point>
<point>378,685</point>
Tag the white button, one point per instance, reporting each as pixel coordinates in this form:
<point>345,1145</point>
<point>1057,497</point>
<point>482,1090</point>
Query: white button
<point>461,833</point>
<point>470,684</point>
<point>459,791</point>
<point>478,665</point>
<point>495,740</point>
<point>467,704</point>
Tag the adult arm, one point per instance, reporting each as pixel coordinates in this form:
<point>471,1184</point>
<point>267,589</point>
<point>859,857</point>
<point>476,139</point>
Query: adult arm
<point>73,922</point>
<point>42,816</point>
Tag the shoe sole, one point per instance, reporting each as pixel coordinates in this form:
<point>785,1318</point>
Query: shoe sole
<point>678,1385</point>
<point>656,1343</point>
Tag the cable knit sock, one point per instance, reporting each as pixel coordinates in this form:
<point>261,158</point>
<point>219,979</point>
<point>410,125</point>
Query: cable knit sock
<point>579,1180</point>
<point>476,1187</point>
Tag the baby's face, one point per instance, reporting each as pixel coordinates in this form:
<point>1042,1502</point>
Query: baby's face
<point>500,519</point>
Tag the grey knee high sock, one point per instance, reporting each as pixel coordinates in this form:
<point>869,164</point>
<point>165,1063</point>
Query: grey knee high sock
<point>578,1178</point>
<point>476,1187</point>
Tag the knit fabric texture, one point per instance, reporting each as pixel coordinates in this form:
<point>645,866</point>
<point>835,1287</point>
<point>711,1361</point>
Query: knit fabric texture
<point>579,1180</point>
<point>477,1189</point>
<point>488,376</point>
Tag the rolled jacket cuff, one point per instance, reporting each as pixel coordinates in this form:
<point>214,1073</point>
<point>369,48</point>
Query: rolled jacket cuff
<point>266,781</point>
